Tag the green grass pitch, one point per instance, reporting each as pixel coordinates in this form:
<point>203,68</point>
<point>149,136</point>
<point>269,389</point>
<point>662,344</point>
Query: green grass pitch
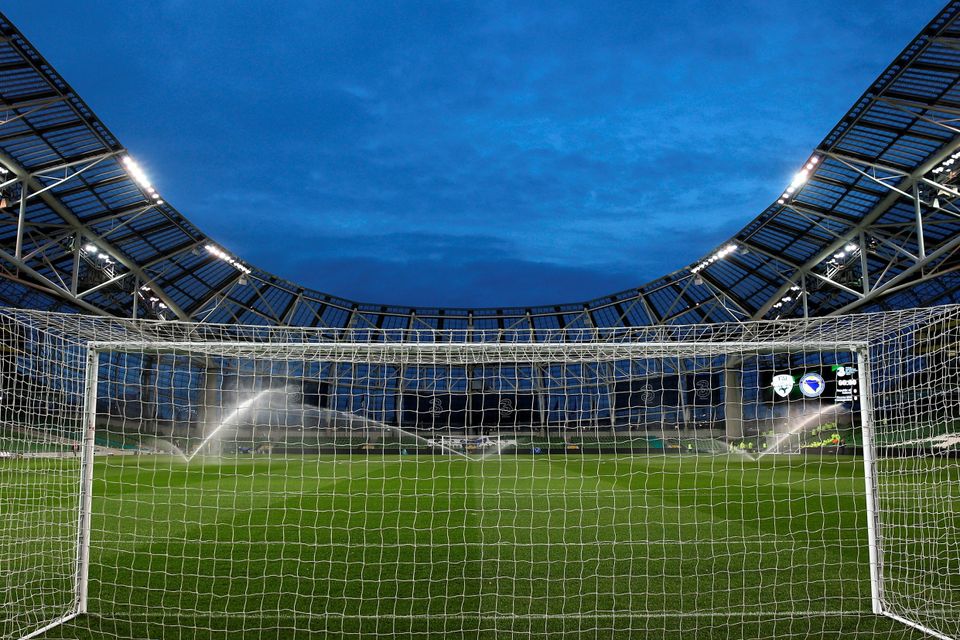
<point>578,546</point>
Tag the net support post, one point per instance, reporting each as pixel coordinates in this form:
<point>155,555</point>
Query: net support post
<point>869,476</point>
<point>86,478</point>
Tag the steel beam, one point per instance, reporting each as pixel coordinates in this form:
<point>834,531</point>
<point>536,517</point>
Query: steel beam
<point>68,216</point>
<point>881,208</point>
<point>51,286</point>
<point>879,290</point>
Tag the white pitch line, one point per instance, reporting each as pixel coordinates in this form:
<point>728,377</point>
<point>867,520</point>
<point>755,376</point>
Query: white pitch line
<point>401,545</point>
<point>246,492</point>
<point>491,616</point>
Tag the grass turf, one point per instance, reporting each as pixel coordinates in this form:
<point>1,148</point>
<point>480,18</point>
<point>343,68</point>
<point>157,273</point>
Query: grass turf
<point>585,546</point>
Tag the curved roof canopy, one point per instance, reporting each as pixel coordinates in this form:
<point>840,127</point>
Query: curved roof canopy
<point>871,221</point>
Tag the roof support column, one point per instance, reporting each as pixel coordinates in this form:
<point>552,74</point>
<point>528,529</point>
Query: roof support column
<point>75,273</point>
<point>136,296</point>
<point>921,248</point>
<point>864,262</point>
<point>805,294</point>
<point>21,219</point>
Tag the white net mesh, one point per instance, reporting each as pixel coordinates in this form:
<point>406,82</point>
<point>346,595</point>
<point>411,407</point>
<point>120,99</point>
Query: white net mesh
<point>696,481</point>
<point>41,395</point>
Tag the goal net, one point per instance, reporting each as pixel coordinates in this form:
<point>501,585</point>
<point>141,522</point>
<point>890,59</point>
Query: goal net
<point>795,478</point>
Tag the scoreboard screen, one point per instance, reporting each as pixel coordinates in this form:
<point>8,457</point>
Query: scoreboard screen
<point>830,383</point>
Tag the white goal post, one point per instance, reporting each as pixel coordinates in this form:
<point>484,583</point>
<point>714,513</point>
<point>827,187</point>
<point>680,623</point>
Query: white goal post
<point>763,479</point>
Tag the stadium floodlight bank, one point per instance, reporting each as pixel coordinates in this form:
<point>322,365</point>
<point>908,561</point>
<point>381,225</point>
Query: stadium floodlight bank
<point>794,478</point>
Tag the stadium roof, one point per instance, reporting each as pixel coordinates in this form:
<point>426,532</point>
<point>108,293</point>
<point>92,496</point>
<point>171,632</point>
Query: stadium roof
<point>872,221</point>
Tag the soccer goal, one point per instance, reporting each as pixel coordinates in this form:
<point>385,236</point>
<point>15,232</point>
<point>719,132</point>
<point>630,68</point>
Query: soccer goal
<point>796,478</point>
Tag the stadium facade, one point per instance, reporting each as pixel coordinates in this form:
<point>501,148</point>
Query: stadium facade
<point>873,224</point>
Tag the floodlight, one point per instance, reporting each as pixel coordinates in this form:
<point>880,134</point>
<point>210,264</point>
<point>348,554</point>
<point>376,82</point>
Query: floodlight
<point>140,176</point>
<point>799,179</point>
<point>223,255</point>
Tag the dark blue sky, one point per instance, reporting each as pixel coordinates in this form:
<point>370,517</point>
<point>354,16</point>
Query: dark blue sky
<point>459,154</point>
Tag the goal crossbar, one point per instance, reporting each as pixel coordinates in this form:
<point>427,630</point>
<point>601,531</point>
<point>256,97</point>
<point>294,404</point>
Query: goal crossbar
<point>475,352</point>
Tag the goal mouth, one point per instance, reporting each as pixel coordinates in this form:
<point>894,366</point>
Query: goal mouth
<point>757,480</point>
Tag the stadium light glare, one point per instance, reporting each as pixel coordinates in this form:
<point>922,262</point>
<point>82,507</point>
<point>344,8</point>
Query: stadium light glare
<point>947,163</point>
<point>721,253</point>
<point>226,257</point>
<point>792,295</point>
<point>140,176</point>
<point>90,248</point>
<point>798,179</point>
<point>850,248</point>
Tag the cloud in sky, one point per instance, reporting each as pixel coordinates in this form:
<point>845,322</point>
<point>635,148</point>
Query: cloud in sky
<point>471,154</point>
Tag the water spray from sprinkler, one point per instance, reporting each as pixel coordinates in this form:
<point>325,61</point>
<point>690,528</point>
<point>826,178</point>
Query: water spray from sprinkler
<point>801,426</point>
<point>243,406</point>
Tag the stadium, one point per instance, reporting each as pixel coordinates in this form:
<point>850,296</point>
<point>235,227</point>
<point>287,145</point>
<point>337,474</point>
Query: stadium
<point>760,444</point>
